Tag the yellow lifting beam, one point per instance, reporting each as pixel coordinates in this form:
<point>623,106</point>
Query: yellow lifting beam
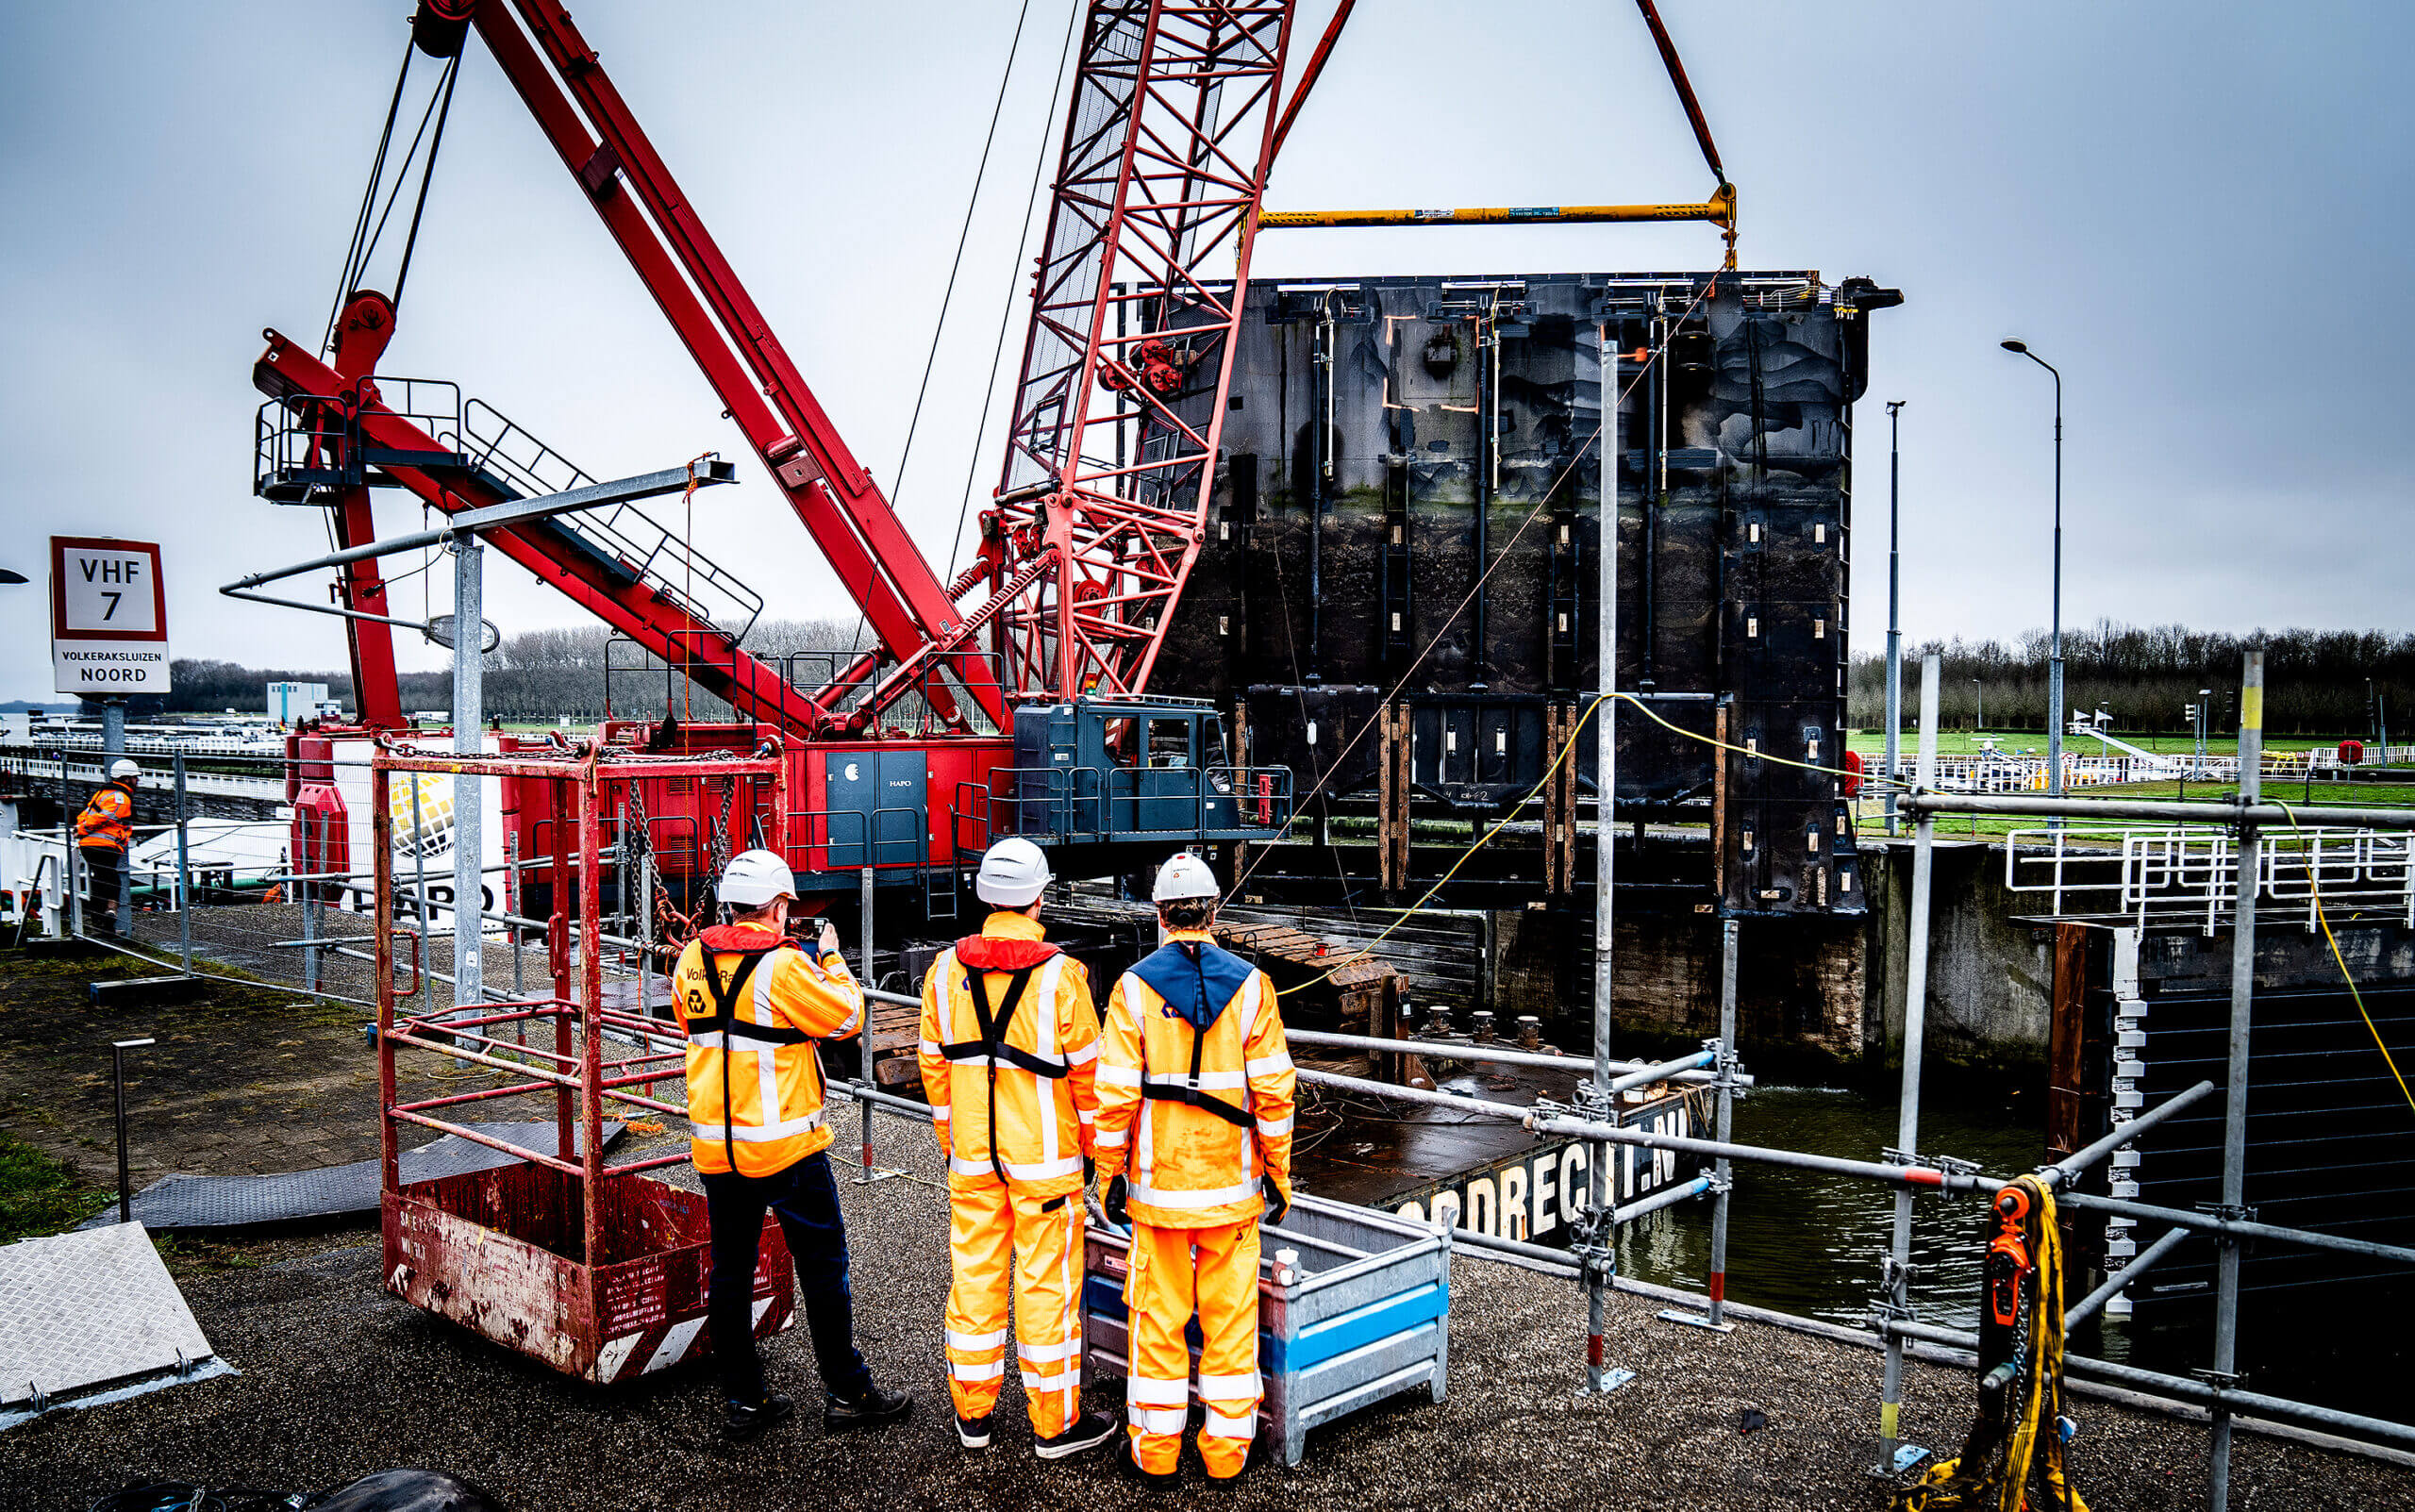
<point>1720,210</point>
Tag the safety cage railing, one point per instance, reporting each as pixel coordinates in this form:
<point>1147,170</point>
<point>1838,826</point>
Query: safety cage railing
<point>1067,804</point>
<point>305,445</point>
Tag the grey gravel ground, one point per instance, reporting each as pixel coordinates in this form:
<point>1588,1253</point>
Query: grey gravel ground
<point>340,1380</point>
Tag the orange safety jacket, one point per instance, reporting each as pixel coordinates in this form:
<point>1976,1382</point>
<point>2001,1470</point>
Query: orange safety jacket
<point>1203,1114</point>
<point>755,1098</point>
<point>107,820</point>
<point>1009,1057</point>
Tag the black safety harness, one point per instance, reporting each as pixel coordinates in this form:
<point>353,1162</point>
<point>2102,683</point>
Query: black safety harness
<point>727,1023</point>
<point>993,1047</point>
<point>1186,1092</point>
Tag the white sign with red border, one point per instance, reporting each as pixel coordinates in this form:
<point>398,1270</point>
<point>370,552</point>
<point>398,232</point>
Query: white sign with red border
<point>109,616</point>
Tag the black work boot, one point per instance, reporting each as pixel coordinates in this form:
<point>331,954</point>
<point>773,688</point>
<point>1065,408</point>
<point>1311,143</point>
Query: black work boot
<point>869,1410</point>
<point>743,1421</point>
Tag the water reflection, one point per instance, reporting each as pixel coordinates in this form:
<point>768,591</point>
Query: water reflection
<point>1813,1244</point>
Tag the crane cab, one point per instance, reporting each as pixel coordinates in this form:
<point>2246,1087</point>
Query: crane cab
<point>1090,774</point>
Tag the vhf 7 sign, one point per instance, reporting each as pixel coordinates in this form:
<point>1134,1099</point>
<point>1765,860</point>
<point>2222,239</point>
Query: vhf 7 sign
<point>108,617</point>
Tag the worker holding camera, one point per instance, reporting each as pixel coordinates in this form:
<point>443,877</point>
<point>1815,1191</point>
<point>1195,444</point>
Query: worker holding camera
<point>753,1005</point>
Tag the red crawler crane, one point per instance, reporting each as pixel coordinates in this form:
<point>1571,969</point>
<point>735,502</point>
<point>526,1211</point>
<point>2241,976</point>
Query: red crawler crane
<point>1028,674</point>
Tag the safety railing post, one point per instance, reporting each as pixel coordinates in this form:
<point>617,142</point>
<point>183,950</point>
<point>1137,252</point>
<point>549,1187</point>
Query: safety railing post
<point>1722,1173</point>
<point>1597,1259</point>
<point>863,1038</point>
<point>184,872</point>
<point>1897,1306</point>
<point>419,884</point>
<point>71,855</point>
<point>2224,1373</point>
<point>311,850</point>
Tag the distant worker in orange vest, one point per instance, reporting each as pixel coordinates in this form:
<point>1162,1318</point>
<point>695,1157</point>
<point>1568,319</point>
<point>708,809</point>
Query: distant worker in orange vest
<point>103,837</point>
<point>1009,1052</point>
<point>753,1005</point>
<point>1195,1092</point>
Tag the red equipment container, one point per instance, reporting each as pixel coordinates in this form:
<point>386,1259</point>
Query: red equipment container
<point>596,1270</point>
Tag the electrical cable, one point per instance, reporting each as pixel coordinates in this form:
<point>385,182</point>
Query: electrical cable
<point>947,297</point>
<point>353,253</point>
<point>1006,313</point>
<point>2322,917</point>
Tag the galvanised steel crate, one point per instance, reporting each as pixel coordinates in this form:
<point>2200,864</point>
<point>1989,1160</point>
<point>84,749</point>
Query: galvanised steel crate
<point>1363,1312</point>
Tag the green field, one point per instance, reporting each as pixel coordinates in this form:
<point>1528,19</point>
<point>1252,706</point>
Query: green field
<point>2033,742</point>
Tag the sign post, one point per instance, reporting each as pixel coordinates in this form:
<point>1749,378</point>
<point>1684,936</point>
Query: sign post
<point>108,617</point>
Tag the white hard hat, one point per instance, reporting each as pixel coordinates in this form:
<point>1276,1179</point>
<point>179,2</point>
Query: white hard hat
<point>1184,876</point>
<point>125,767</point>
<point>755,878</point>
<point>1013,874</point>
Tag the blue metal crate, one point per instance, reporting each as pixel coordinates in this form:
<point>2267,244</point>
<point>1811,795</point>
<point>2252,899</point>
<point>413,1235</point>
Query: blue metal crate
<point>1364,1313</point>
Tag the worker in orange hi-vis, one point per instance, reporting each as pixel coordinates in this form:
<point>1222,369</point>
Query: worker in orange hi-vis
<point>1196,1093</point>
<point>753,1005</point>
<point>103,837</point>
<point>1010,1054</point>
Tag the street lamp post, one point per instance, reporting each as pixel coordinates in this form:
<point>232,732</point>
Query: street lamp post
<point>1894,626</point>
<point>1981,727</point>
<point>2054,663</point>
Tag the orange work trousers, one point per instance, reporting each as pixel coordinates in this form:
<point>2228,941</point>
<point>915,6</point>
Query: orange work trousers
<point>995,1235</point>
<point>1176,1272</point>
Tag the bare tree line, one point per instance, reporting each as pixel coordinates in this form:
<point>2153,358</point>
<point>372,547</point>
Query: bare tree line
<point>2316,681</point>
<point>581,671</point>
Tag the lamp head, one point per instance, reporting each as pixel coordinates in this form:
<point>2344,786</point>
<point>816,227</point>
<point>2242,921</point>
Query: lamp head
<point>2011,346</point>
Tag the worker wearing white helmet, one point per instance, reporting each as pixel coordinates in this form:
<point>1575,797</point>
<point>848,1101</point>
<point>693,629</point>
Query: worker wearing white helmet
<point>103,834</point>
<point>1009,1052</point>
<point>1196,1097</point>
<point>753,1005</point>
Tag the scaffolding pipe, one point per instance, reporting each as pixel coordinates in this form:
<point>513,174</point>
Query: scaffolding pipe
<point>1725,1128</point>
<point>2243,997</point>
<point>2161,811</point>
<point>1543,1121</point>
<point>2222,1402</point>
<point>2066,1171</point>
<point>1599,1265</point>
<point>1666,1071</point>
<point>1490,1054</point>
<point>1908,1125</point>
<point>2090,1306</point>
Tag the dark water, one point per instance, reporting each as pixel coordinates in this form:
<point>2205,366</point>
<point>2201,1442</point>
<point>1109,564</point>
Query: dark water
<point>1813,1245</point>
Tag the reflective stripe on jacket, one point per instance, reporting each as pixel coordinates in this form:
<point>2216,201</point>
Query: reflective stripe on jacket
<point>1044,1081</point>
<point>763,1055</point>
<point>1192,1167</point>
<point>107,819</point>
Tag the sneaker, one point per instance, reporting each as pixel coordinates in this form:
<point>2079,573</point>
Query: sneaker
<point>973,1432</point>
<point>743,1421</point>
<point>1093,1429</point>
<point>870,1410</point>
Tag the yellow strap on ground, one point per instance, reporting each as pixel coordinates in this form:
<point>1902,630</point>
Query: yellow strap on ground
<point>2000,1465</point>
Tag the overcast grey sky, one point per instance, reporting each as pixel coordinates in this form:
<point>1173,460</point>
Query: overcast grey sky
<point>2197,210</point>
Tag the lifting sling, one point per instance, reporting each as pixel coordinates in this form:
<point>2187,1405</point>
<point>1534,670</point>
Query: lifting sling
<point>2020,1426</point>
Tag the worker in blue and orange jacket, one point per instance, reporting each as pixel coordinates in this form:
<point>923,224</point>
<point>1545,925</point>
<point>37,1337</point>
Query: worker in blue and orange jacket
<point>1196,1093</point>
<point>103,837</point>
<point>753,1007</point>
<point>1010,1054</point>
